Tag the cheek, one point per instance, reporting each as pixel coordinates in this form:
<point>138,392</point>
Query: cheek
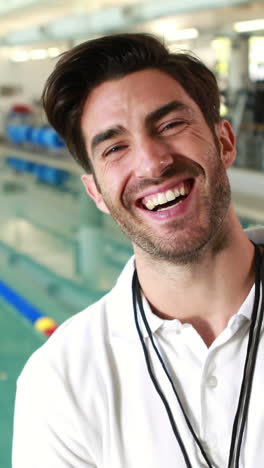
<point>113,178</point>
<point>207,151</point>
<point>196,142</point>
<point>202,138</point>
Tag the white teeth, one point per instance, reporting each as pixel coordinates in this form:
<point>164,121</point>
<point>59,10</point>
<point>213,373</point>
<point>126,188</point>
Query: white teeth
<point>162,198</point>
<point>170,195</point>
<point>165,197</point>
<point>155,200</point>
<point>150,205</point>
<point>182,190</point>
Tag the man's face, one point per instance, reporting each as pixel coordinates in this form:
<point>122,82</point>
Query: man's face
<point>159,171</point>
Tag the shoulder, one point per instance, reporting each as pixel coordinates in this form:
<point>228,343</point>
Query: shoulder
<point>64,390</point>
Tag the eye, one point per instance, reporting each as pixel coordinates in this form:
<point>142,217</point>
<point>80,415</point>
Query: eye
<point>114,149</point>
<point>173,126</point>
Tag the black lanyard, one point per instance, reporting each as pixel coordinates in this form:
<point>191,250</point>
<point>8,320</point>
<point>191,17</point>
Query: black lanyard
<point>249,367</point>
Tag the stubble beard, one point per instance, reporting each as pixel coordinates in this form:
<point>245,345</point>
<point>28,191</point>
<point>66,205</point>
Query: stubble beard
<point>182,246</point>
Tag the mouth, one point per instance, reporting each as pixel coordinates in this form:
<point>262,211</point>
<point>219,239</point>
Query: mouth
<point>167,199</point>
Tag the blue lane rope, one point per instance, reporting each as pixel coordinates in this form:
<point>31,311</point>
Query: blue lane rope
<point>26,309</point>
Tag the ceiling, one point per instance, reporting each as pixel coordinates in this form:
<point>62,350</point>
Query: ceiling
<point>37,21</point>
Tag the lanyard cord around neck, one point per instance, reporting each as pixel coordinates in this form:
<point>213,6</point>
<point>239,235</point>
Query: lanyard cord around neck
<point>245,391</point>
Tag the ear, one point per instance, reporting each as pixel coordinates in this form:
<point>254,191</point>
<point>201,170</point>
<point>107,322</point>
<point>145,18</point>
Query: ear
<point>227,142</point>
<point>92,190</point>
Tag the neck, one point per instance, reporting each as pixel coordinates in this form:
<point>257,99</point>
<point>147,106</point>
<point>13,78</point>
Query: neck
<point>206,293</point>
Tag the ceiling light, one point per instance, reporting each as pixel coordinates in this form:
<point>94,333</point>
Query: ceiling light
<point>183,34</point>
<point>19,56</point>
<point>38,54</point>
<point>53,51</point>
<point>169,30</point>
<point>246,26</point>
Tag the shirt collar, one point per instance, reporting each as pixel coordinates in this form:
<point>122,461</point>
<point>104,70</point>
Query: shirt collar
<point>120,307</point>
<point>247,307</point>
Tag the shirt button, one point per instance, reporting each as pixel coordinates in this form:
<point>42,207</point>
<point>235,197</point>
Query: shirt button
<point>212,381</point>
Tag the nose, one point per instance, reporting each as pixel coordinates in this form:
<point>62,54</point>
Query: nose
<point>152,158</point>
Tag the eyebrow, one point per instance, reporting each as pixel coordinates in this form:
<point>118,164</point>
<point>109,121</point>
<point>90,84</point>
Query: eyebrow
<point>162,111</point>
<point>106,135</point>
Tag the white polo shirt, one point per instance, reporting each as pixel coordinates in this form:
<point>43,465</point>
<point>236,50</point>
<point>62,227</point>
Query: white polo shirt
<point>85,398</point>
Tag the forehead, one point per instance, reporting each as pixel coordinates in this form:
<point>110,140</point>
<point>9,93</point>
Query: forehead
<point>125,101</point>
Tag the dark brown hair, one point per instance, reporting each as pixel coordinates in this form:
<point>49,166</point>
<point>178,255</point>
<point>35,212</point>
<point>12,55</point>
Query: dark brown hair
<point>87,65</point>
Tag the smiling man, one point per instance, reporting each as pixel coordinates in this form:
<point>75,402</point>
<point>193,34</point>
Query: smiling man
<point>156,161</point>
<point>166,370</point>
